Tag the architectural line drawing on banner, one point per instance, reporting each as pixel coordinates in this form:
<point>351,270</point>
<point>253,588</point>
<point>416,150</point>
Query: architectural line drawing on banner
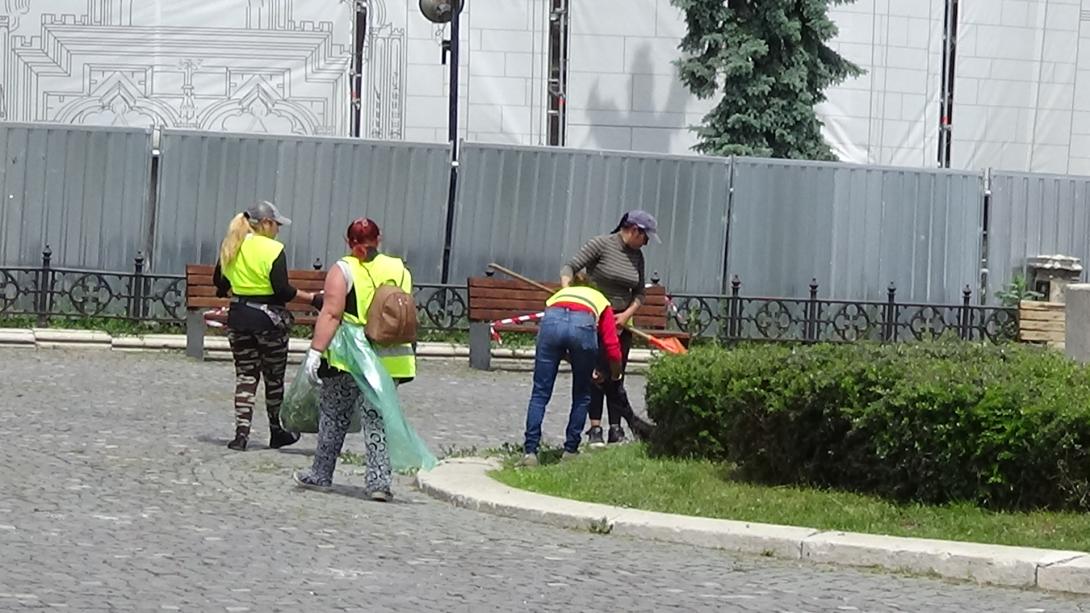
<point>119,63</point>
<point>384,75</point>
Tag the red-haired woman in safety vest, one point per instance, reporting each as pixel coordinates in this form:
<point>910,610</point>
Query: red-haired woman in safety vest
<point>349,289</point>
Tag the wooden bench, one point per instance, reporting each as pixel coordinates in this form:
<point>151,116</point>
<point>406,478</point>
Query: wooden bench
<point>1042,322</point>
<point>200,295</point>
<point>491,299</point>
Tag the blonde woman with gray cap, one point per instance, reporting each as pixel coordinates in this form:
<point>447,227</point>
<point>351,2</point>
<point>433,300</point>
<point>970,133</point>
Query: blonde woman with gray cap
<point>252,266</point>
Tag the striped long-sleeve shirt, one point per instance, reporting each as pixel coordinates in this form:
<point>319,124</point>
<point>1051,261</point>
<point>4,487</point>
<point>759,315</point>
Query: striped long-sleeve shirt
<point>615,268</point>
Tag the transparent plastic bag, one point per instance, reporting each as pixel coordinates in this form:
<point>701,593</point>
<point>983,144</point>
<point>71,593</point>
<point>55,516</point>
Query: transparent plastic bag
<point>407,450</point>
<point>299,411</point>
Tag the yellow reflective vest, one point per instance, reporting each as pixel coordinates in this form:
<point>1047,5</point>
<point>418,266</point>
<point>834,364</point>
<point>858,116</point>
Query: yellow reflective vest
<point>249,271</point>
<point>399,360</point>
<point>579,294</point>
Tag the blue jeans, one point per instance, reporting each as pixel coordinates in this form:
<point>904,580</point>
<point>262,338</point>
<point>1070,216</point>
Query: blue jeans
<point>574,334</point>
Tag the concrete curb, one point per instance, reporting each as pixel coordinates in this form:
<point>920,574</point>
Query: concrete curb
<point>217,349</point>
<point>466,483</point>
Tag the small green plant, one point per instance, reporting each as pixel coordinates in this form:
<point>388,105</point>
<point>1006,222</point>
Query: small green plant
<point>601,526</point>
<point>1017,291</point>
<point>505,452</point>
<point>115,327</point>
<point>353,459</point>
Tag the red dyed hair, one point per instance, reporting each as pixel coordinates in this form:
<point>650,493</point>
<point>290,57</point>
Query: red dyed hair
<point>361,233</point>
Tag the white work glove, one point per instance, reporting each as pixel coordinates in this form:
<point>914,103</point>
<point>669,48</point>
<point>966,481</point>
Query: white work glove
<point>311,364</point>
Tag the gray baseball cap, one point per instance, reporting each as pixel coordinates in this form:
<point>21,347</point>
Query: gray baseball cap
<point>644,221</point>
<point>266,210</point>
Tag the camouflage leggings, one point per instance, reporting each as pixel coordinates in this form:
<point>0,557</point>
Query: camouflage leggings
<point>257,354</point>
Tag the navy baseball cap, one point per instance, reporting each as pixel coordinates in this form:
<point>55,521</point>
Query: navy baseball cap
<point>642,220</point>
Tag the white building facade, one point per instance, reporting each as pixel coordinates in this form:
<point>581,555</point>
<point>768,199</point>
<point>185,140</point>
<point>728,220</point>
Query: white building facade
<point>578,73</point>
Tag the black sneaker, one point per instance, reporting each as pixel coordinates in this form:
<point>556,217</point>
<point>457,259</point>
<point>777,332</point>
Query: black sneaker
<point>641,427</point>
<point>282,438</point>
<point>239,444</point>
<point>594,437</point>
<point>616,435</point>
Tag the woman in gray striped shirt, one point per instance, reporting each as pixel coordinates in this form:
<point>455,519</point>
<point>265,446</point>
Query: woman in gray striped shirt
<point>614,262</point>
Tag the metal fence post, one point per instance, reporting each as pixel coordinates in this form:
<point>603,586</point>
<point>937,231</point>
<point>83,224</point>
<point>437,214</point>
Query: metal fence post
<point>734,311</point>
<point>44,303</point>
<point>890,316</point>
<point>810,331</point>
<point>136,288</point>
<point>966,314</point>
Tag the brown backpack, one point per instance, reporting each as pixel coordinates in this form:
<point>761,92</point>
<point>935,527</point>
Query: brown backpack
<point>391,318</point>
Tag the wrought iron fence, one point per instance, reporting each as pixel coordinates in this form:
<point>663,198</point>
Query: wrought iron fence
<point>47,293</point>
<point>441,307</point>
<point>813,319</point>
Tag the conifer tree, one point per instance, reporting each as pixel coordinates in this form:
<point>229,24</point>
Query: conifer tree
<point>770,62</point>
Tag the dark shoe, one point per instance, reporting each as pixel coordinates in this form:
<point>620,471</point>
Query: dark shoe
<point>641,428</point>
<point>305,480</point>
<point>594,437</point>
<point>616,435</point>
<point>239,444</point>
<point>381,496</point>
<point>282,438</point>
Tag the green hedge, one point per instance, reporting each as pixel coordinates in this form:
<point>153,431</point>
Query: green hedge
<point>1005,427</point>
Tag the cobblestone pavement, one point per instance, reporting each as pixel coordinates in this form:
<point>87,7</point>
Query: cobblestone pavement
<point>118,495</point>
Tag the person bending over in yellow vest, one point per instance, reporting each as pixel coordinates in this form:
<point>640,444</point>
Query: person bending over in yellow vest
<point>349,290</point>
<point>577,318</point>
<point>252,266</point>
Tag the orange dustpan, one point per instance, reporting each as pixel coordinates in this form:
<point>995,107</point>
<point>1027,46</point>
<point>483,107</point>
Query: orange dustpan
<point>669,345</point>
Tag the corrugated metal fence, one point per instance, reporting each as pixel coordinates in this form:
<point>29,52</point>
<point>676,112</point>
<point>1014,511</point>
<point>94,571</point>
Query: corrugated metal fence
<point>81,190</point>
<point>532,208</point>
<point>777,224</point>
<point>321,183</point>
<point>1034,214</point>
<point>855,229</point>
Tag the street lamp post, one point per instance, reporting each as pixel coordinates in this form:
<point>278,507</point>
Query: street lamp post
<point>443,11</point>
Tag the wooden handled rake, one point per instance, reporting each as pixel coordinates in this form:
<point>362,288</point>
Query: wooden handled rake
<point>669,345</point>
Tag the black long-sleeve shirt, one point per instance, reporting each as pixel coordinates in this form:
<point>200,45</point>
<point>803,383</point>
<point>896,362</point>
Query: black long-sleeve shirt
<point>242,317</point>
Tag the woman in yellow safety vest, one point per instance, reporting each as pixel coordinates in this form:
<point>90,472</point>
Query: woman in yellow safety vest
<point>253,267</point>
<point>578,323</point>
<point>349,289</point>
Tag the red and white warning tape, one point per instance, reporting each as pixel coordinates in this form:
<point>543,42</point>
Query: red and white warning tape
<point>216,318</point>
<point>511,321</point>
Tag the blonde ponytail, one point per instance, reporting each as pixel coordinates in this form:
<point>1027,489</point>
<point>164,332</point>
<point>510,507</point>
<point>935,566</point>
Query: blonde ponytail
<point>236,233</point>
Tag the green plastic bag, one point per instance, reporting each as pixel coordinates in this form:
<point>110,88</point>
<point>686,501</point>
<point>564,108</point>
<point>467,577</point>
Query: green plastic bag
<point>299,411</point>
<point>351,347</point>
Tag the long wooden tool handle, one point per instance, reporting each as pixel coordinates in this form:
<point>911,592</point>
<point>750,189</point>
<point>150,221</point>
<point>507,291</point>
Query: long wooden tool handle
<point>514,275</point>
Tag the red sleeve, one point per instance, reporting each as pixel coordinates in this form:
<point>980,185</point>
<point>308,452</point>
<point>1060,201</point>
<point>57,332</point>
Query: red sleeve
<point>607,335</point>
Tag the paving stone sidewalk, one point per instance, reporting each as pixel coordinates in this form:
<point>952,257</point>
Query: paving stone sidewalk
<point>117,494</point>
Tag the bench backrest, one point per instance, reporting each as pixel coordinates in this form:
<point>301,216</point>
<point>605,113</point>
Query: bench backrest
<point>200,292</point>
<point>492,299</point>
